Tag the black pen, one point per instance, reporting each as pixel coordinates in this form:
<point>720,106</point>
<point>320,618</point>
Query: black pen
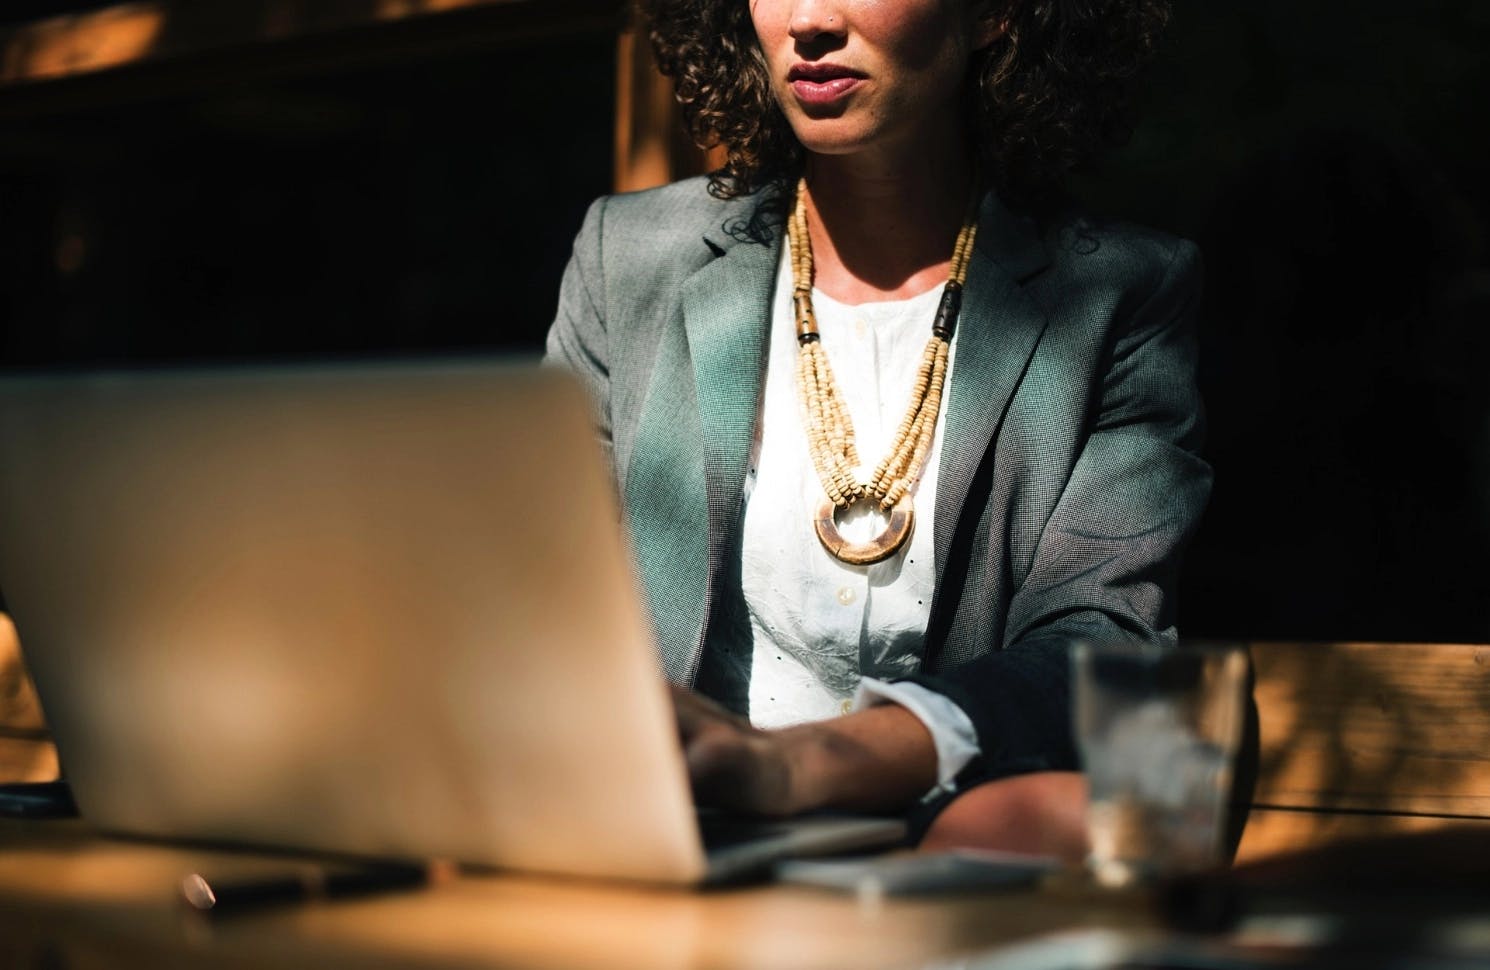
<point>300,884</point>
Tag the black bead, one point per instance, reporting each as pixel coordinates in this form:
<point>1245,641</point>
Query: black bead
<point>946,313</point>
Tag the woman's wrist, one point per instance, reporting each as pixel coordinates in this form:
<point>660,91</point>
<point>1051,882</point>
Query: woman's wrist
<point>801,753</point>
<point>880,759</point>
<point>875,760</point>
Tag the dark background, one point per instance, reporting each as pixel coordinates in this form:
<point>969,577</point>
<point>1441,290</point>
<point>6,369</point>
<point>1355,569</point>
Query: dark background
<point>1328,159</point>
<point>416,203</point>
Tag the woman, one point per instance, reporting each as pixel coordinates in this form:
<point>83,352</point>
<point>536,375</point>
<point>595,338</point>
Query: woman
<point>752,341</point>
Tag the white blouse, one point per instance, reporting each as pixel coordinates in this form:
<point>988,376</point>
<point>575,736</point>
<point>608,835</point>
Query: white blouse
<point>821,625</point>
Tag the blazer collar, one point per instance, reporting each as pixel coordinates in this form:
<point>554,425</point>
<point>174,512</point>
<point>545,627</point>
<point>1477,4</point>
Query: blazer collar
<point>1012,242</point>
<point>727,316</point>
<point>997,332</point>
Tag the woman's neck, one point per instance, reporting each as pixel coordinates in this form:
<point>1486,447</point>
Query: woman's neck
<point>884,229</point>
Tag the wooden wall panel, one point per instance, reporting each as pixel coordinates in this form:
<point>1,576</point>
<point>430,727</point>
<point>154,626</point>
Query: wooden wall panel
<point>1387,727</point>
<point>26,753</point>
<point>27,759</point>
<point>1273,831</point>
<point>147,49</point>
<point>133,33</point>
<point>20,711</point>
<point>652,147</point>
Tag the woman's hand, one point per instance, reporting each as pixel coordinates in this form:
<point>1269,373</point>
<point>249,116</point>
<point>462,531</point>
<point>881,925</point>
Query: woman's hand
<point>731,764</point>
<point>879,759</point>
<point>876,760</point>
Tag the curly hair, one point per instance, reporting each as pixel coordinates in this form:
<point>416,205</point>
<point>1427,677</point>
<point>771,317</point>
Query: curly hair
<point>1050,94</point>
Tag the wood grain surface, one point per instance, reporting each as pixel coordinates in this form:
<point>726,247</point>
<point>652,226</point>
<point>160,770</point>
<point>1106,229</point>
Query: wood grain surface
<point>1378,727</point>
<point>1273,831</point>
<point>79,899</point>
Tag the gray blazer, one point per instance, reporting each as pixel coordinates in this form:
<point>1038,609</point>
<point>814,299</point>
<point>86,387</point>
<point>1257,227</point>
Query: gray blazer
<point>1069,479</point>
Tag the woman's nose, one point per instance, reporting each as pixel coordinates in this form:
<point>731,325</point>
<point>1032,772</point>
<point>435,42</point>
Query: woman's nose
<point>812,19</point>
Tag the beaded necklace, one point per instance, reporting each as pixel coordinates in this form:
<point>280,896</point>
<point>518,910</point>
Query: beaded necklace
<point>830,433</point>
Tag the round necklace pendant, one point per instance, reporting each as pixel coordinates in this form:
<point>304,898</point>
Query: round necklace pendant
<point>881,547</point>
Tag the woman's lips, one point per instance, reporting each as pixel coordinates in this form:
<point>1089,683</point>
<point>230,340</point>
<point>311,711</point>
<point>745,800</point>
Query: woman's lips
<point>822,84</point>
<point>823,92</point>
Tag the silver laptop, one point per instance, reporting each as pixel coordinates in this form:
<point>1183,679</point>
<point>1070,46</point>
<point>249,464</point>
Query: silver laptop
<point>384,610</point>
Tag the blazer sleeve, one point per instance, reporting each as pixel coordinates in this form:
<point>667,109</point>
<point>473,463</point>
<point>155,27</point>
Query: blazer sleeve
<point>578,340</point>
<point>1107,561</point>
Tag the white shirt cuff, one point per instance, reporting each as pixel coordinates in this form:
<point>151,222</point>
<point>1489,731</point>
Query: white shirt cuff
<point>952,731</point>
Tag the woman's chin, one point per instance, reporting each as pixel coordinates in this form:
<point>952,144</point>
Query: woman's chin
<point>834,142</point>
<point>847,137</point>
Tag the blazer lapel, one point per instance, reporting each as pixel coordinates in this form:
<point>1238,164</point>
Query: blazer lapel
<point>726,314</point>
<point>997,333</point>
<point>693,443</point>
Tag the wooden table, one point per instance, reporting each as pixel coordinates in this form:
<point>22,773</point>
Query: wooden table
<point>72,898</point>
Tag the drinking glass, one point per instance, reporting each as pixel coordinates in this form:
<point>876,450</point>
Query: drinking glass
<point>1158,730</point>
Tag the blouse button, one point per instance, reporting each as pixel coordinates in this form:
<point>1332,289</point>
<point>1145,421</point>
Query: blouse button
<point>846,595</point>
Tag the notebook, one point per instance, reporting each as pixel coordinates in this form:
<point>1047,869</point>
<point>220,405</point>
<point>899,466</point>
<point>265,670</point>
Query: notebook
<point>377,609</point>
